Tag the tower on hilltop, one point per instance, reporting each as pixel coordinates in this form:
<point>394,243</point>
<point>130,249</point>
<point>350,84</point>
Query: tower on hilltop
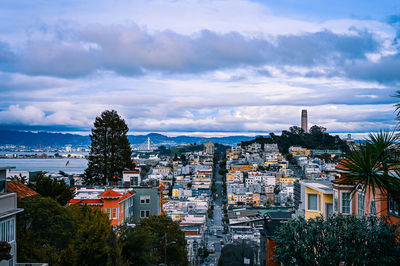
<point>304,120</point>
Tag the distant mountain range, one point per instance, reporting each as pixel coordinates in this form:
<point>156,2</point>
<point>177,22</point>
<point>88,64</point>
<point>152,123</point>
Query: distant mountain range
<point>44,139</point>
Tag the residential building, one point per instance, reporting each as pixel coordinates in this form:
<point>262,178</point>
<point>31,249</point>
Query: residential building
<point>209,147</point>
<point>8,218</point>
<point>362,202</point>
<point>272,221</point>
<point>116,203</point>
<point>243,168</point>
<point>131,178</point>
<point>147,201</point>
<point>316,198</point>
<point>299,150</point>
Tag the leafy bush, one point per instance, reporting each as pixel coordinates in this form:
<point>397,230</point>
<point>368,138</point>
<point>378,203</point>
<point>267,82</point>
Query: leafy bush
<point>337,240</point>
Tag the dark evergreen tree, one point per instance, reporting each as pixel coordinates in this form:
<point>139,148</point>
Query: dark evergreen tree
<point>47,186</point>
<point>110,151</point>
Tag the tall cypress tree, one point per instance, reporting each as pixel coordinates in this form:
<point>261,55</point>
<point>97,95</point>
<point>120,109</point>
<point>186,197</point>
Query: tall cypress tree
<point>110,151</point>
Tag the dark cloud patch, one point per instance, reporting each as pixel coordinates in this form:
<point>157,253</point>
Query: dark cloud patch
<point>322,48</point>
<point>394,20</point>
<point>57,59</point>
<point>386,70</point>
<point>130,50</point>
<point>6,55</point>
<point>264,72</point>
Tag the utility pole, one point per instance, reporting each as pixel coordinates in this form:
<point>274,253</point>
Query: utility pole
<point>165,249</point>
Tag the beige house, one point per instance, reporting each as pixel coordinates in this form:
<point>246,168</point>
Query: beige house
<point>209,147</point>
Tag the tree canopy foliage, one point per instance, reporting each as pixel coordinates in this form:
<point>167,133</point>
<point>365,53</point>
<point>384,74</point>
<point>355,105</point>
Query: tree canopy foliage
<point>79,235</point>
<point>317,138</point>
<point>47,186</point>
<point>368,165</point>
<point>234,254</point>
<point>339,240</point>
<point>110,151</point>
<point>151,239</point>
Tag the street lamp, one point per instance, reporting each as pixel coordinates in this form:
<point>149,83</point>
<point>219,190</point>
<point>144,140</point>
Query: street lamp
<point>165,247</point>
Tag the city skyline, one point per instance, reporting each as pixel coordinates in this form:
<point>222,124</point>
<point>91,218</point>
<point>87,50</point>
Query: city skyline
<point>206,67</point>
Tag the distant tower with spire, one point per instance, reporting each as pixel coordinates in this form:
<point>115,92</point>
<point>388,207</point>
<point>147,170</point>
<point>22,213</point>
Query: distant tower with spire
<point>148,144</point>
<point>304,124</point>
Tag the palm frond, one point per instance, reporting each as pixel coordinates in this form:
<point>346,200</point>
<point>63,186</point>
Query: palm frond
<point>369,166</point>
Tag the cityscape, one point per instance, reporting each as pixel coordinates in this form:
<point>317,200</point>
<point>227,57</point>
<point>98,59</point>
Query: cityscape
<point>199,133</point>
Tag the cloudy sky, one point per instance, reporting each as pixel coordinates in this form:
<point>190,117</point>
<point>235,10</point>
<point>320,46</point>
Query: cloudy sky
<point>210,66</point>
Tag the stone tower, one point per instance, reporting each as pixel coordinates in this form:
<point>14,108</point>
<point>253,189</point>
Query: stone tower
<point>304,125</point>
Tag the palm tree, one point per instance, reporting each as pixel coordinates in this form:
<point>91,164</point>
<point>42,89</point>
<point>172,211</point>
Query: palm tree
<point>371,166</point>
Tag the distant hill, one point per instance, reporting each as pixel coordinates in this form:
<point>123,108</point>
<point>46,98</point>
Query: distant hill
<point>44,139</point>
<point>33,139</point>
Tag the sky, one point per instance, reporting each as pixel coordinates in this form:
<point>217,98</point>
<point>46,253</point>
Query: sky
<point>209,67</point>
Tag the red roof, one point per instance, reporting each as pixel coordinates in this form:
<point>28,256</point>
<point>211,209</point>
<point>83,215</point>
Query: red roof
<point>127,195</point>
<point>86,201</point>
<point>109,194</point>
<point>21,190</point>
<point>343,181</point>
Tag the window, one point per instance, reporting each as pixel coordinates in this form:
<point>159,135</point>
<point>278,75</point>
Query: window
<point>335,200</point>
<point>313,202</point>
<point>114,213</point>
<point>372,208</point>
<point>360,204</point>
<point>144,213</point>
<point>393,207</point>
<point>145,199</point>
<point>108,211</point>
<point>346,202</point>
<point>7,230</point>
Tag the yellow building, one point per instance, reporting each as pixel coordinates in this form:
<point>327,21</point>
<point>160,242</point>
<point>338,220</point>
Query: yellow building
<point>233,155</point>
<point>282,164</point>
<point>286,180</point>
<point>175,191</point>
<point>177,216</point>
<point>299,150</point>
<point>243,168</point>
<point>318,198</point>
<point>255,199</point>
<point>231,199</point>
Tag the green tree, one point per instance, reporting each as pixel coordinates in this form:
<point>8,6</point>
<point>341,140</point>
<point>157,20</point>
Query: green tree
<point>110,151</point>
<point>210,213</point>
<point>234,254</point>
<point>77,235</point>
<point>20,178</point>
<point>222,171</point>
<point>340,240</point>
<point>137,244</point>
<point>296,130</point>
<point>368,165</point>
<point>152,239</point>
<point>318,138</point>
<point>44,231</point>
<point>47,186</point>
<point>94,239</point>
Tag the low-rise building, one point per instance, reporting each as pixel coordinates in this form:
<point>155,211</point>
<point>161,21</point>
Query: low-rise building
<point>131,178</point>
<point>316,198</point>
<point>116,203</point>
